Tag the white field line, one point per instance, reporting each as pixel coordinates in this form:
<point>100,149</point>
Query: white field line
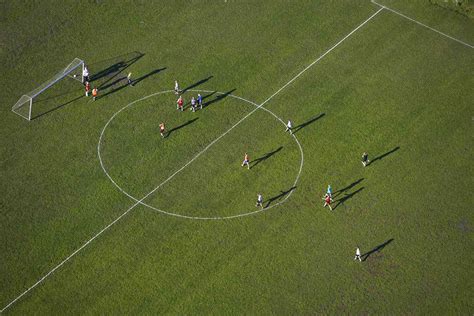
<point>321,57</point>
<point>67,259</point>
<point>424,25</point>
<point>200,217</point>
<point>179,170</point>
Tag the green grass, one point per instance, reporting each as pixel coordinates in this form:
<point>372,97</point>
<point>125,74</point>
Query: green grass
<point>392,87</point>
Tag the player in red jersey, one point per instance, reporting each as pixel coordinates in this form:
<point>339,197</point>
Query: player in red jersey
<point>88,88</point>
<point>327,201</point>
<point>246,161</point>
<point>162,129</point>
<point>180,103</point>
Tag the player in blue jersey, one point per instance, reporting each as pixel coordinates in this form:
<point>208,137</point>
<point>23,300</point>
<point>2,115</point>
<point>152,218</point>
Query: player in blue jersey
<point>329,191</point>
<point>199,99</point>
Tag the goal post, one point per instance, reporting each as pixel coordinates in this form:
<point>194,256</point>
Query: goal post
<point>24,105</point>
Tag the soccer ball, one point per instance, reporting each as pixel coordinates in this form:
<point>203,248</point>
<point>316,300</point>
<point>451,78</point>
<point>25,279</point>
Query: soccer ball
<point>75,76</point>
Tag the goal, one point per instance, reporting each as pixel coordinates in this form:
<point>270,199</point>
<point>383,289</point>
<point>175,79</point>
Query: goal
<point>24,105</point>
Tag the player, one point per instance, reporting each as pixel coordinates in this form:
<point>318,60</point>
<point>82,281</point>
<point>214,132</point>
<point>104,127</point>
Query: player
<point>357,256</point>
<point>329,191</point>
<point>259,201</point>
<point>246,161</point>
<point>199,99</point>
<point>162,129</point>
<point>176,87</point>
<point>88,88</point>
<point>327,201</point>
<point>289,127</point>
<point>129,79</point>
<point>193,104</point>
<point>85,75</point>
<point>180,103</point>
<point>95,93</point>
<point>365,159</point>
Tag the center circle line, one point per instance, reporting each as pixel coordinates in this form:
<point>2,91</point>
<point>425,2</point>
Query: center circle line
<point>187,216</point>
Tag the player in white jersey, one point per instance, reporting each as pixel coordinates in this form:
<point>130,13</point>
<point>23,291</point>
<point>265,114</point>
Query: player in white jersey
<point>193,104</point>
<point>246,161</point>
<point>259,201</point>
<point>176,87</point>
<point>357,256</point>
<point>85,75</point>
<point>289,127</point>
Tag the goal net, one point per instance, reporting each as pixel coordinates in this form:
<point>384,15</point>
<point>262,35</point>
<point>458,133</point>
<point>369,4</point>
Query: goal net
<point>25,104</point>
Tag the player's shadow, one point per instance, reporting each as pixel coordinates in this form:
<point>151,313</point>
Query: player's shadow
<point>56,107</point>
<point>279,196</point>
<point>265,157</point>
<point>347,188</point>
<point>204,97</point>
<point>151,73</point>
<point>111,91</point>
<point>384,155</point>
<point>379,248</point>
<point>70,90</point>
<point>174,129</point>
<point>347,197</point>
<point>113,83</point>
<point>111,68</point>
<point>296,129</point>
<point>122,82</point>
<point>105,78</point>
<point>218,98</point>
<point>198,83</point>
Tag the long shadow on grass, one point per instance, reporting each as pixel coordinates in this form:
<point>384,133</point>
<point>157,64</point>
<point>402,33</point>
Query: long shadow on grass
<point>57,107</point>
<point>107,63</point>
<point>174,129</point>
<point>265,157</point>
<point>303,125</point>
<point>77,88</point>
<point>113,83</point>
<point>110,72</point>
<point>347,188</point>
<point>218,98</point>
<point>111,91</point>
<point>385,155</point>
<point>151,73</point>
<point>379,248</point>
<point>347,197</point>
<point>200,82</point>
<point>124,82</point>
<point>279,196</point>
<point>188,104</point>
<point>204,97</point>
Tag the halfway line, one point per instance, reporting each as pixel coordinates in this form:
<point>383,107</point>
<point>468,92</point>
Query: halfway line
<point>321,57</point>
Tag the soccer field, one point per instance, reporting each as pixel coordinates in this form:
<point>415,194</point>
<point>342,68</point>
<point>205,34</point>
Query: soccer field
<point>101,215</point>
